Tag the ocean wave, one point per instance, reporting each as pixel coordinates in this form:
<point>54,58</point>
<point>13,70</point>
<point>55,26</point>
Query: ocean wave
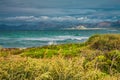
<point>72,37</point>
<point>40,41</point>
<point>55,38</point>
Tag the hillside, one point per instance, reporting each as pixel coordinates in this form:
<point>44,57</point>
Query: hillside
<point>96,59</point>
<point>56,25</point>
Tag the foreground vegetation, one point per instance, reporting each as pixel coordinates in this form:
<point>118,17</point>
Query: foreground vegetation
<point>96,59</point>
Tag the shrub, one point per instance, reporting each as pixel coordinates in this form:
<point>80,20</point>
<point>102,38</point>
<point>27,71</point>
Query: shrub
<point>96,59</point>
<point>108,63</point>
<point>104,42</point>
<point>42,69</point>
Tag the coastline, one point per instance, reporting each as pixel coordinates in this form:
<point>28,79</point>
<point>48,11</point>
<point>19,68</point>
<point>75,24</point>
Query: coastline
<point>89,60</point>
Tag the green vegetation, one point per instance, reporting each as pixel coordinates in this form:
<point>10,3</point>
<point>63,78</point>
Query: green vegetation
<point>105,42</point>
<point>96,59</point>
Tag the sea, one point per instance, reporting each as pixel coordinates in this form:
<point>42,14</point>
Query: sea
<point>51,26</point>
<point>26,39</point>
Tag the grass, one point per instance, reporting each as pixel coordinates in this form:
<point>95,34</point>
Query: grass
<point>96,59</point>
<point>56,68</point>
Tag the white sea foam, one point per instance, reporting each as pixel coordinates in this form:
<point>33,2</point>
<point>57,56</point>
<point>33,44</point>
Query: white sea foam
<point>52,43</point>
<point>55,38</point>
<point>72,37</point>
<point>49,40</point>
<point>42,39</point>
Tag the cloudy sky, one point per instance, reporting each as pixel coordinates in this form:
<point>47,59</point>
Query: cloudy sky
<point>39,7</point>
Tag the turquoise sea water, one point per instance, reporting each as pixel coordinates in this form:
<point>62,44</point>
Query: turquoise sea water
<point>23,39</point>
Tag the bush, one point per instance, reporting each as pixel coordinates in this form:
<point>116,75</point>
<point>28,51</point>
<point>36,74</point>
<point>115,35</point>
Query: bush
<point>42,69</point>
<point>96,59</point>
<point>108,63</point>
<point>104,42</point>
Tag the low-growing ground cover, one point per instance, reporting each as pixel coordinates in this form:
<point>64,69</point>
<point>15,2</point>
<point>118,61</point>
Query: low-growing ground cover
<point>96,59</point>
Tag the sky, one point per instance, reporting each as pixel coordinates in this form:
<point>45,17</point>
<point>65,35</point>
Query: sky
<point>59,10</point>
<point>39,7</point>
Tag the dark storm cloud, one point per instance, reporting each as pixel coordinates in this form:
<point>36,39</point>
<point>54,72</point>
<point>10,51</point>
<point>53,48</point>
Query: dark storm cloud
<point>61,3</point>
<point>51,6</point>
